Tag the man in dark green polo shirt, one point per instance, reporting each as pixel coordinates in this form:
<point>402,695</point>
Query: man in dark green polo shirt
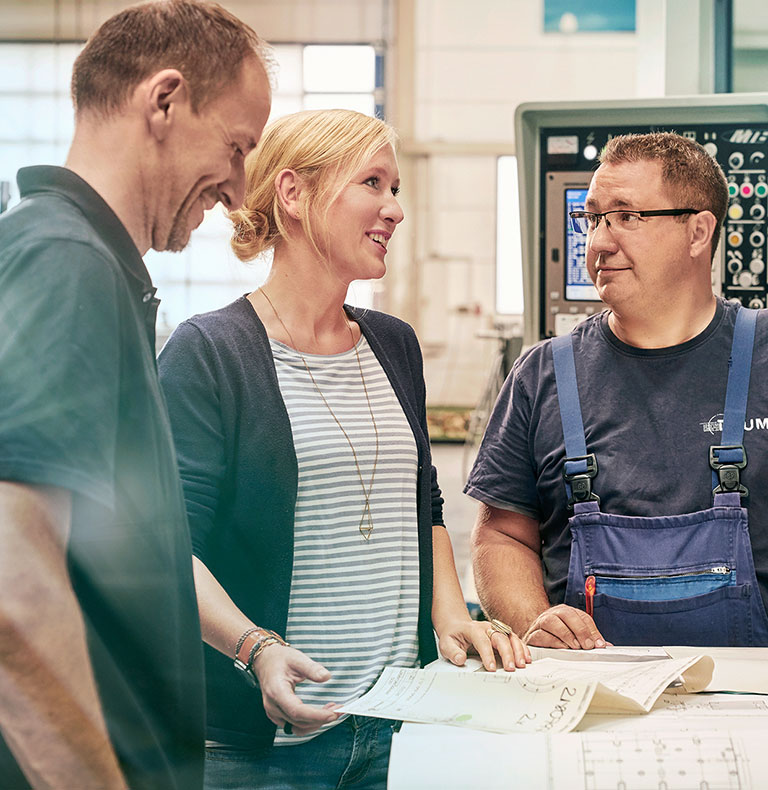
<point>101,664</point>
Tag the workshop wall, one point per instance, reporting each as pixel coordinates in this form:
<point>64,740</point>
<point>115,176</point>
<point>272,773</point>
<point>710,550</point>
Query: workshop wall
<point>474,63</point>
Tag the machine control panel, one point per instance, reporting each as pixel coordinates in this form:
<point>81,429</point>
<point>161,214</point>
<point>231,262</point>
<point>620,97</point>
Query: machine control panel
<point>568,159</point>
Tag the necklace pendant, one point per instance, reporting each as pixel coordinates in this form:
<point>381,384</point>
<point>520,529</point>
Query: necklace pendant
<point>365,531</point>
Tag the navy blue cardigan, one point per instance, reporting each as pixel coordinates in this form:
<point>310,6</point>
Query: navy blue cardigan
<point>240,475</point>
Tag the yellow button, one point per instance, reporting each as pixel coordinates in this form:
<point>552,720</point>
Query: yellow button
<point>735,238</point>
<point>735,211</point>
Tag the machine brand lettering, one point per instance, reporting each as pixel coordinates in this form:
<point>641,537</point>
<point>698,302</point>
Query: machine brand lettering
<point>749,136</point>
<point>715,424</point>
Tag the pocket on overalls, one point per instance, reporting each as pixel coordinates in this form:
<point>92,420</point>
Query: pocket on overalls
<point>717,618</point>
<point>665,587</point>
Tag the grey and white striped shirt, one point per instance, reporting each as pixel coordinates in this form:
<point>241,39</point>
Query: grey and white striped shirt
<point>354,603</point>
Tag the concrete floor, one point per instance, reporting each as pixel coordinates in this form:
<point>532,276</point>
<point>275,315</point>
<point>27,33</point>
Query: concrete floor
<point>459,509</point>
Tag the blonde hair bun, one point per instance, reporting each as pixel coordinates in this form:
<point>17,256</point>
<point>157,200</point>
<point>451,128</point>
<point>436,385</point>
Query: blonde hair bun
<point>250,233</point>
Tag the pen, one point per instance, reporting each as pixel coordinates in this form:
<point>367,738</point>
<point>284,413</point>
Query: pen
<point>589,593</point>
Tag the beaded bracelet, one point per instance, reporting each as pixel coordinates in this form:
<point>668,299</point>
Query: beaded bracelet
<point>243,637</point>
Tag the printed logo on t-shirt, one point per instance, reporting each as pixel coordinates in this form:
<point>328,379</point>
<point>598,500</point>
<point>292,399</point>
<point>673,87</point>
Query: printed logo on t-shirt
<point>715,424</point>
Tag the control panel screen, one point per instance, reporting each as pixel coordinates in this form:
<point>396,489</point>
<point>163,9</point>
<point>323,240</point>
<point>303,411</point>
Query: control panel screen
<point>578,286</point>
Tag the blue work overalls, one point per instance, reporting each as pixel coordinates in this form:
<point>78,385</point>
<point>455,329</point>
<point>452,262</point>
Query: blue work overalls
<point>665,580</point>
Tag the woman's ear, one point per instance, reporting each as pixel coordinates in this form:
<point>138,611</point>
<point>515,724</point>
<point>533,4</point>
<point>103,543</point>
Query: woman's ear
<point>288,187</point>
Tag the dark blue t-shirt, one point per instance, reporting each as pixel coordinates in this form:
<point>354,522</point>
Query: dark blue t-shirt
<point>650,416</point>
<point>81,409</point>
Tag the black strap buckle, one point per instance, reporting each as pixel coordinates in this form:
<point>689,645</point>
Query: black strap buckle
<point>728,471</point>
<point>581,482</point>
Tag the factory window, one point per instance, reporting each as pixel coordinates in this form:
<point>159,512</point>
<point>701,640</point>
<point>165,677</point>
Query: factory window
<point>36,127</point>
<point>35,110</point>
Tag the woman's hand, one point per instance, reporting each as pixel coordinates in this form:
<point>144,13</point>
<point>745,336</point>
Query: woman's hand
<point>457,634</point>
<point>462,637</point>
<point>279,668</point>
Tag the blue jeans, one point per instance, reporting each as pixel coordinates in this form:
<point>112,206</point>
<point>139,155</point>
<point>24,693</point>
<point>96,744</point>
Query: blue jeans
<point>353,755</point>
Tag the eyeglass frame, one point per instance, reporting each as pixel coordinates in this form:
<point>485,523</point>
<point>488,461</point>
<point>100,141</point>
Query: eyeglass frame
<point>599,215</point>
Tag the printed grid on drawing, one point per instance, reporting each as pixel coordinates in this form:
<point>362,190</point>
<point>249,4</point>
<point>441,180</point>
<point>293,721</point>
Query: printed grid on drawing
<point>665,761</point>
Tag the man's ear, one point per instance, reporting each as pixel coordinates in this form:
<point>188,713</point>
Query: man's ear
<point>702,227</point>
<point>288,186</point>
<point>163,95</point>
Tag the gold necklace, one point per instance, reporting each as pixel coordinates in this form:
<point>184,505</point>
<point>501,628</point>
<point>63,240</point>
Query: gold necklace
<point>365,531</point>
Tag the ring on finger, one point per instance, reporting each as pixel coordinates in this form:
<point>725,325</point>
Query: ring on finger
<point>501,628</point>
<point>490,632</point>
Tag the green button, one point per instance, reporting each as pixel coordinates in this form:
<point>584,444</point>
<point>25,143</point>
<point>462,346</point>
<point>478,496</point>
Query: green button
<point>733,190</point>
<point>761,189</point>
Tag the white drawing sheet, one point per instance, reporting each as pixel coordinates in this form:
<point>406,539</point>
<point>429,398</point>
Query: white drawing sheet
<point>443,758</point>
<point>628,686</point>
<point>687,713</point>
<point>740,669</point>
<point>547,696</point>
<point>497,702</point>
<point>604,654</point>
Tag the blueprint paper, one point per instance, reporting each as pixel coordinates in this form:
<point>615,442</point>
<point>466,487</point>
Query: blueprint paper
<point>547,696</point>
<point>497,702</point>
<point>442,758</point>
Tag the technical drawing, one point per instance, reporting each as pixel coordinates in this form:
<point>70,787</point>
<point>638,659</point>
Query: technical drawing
<point>672,761</point>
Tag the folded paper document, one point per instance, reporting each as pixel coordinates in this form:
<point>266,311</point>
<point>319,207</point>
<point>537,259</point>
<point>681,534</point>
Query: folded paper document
<point>547,696</point>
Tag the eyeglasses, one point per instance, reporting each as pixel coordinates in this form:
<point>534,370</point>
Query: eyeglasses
<point>621,220</point>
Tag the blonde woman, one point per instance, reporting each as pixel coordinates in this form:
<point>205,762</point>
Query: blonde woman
<point>315,513</point>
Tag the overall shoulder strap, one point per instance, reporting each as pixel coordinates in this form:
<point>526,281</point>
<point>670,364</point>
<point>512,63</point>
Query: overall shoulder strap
<point>728,458</point>
<point>579,467</point>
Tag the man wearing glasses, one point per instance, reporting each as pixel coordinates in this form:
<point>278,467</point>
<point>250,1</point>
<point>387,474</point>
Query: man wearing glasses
<point>616,478</point>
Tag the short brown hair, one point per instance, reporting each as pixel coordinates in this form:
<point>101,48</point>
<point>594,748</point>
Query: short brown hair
<point>205,42</point>
<point>325,148</point>
<point>693,177</point>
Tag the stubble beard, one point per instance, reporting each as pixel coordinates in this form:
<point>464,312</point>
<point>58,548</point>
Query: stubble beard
<point>179,234</point>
